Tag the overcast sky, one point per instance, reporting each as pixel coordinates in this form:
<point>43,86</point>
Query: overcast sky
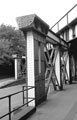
<point>49,10</point>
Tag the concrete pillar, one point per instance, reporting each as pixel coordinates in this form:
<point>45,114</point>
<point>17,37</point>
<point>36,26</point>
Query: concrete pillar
<point>16,75</point>
<point>30,65</point>
<point>58,67</point>
<point>16,66</point>
<point>68,67</point>
<point>35,31</point>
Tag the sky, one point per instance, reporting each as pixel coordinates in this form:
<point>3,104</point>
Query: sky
<point>48,10</point>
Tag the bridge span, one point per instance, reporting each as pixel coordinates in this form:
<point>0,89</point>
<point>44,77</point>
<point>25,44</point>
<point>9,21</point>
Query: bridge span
<point>48,61</point>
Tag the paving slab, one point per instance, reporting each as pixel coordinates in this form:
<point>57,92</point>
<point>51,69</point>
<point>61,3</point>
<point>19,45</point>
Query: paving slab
<point>61,105</point>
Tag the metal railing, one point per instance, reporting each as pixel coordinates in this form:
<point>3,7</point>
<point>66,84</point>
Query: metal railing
<point>24,88</point>
<point>68,17</point>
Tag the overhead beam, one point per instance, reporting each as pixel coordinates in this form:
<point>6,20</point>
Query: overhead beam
<point>55,39</point>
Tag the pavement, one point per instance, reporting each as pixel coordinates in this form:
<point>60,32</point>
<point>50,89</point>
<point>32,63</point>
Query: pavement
<point>60,105</point>
<point>16,100</point>
<point>6,81</point>
<point>11,82</point>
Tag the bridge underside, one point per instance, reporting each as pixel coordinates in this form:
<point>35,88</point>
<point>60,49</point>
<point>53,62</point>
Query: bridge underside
<point>73,59</point>
<point>73,47</point>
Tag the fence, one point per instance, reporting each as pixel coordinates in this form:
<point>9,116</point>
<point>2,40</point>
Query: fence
<point>28,100</point>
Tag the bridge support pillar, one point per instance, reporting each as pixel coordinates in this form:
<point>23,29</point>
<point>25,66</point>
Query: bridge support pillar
<point>58,69</point>
<point>35,31</point>
<point>68,67</point>
<point>16,75</point>
<point>30,64</point>
<point>16,66</point>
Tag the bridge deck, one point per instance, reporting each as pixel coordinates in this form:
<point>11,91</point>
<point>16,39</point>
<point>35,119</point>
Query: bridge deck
<point>60,105</point>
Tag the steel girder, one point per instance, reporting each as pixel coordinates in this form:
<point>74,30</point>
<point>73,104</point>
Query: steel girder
<point>50,74</point>
<point>56,40</point>
<point>56,75</point>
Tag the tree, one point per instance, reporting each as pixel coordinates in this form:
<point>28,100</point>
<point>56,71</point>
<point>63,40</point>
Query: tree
<point>11,42</point>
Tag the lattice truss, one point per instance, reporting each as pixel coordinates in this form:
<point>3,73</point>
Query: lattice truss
<point>50,58</point>
<point>51,52</point>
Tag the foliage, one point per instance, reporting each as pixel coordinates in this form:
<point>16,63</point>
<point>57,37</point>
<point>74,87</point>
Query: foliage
<point>11,42</point>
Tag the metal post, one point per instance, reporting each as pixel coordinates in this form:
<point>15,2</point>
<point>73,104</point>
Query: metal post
<point>9,107</point>
<point>23,94</point>
<point>27,96</point>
